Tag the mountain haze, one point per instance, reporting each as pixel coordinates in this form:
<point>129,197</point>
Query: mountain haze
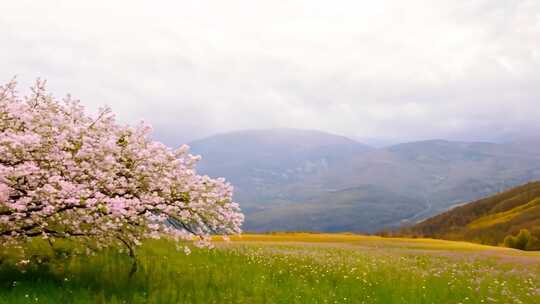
<point>261,163</point>
<point>287,179</point>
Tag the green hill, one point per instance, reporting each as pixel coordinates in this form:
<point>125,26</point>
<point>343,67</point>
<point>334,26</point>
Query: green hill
<point>486,221</point>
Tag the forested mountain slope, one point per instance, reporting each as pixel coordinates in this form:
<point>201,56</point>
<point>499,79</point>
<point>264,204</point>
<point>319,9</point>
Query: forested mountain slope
<point>488,220</point>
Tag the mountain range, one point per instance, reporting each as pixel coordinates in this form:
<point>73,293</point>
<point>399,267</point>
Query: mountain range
<point>295,180</point>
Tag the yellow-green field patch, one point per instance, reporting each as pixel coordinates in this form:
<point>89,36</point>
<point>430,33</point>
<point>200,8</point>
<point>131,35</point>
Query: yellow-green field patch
<point>503,217</point>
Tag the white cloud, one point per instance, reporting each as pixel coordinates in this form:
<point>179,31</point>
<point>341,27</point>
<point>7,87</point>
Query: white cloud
<point>377,69</point>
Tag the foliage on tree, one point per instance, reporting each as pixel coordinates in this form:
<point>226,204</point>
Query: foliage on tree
<point>523,241</point>
<point>66,174</point>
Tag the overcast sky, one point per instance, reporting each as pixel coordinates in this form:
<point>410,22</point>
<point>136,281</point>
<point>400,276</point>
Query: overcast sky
<point>385,70</point>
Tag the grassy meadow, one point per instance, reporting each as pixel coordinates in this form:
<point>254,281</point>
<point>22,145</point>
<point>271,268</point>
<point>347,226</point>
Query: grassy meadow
<point>277,268</point>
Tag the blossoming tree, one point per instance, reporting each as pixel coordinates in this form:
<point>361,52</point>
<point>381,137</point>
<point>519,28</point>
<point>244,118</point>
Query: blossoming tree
<point>65,174</point>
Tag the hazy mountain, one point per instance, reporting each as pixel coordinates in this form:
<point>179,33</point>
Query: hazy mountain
<point>488,220</point>
<point>262,163</point>
<point>289,179</point>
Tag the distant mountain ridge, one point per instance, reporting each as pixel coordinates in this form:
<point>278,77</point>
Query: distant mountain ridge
<point>289,179</point>
<point>488,220</point>
<point>258,162</point>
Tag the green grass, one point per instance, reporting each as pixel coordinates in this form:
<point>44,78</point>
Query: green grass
<point>280,269</point>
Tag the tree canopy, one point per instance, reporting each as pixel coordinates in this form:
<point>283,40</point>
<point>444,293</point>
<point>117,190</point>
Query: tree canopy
<point>65,173</point>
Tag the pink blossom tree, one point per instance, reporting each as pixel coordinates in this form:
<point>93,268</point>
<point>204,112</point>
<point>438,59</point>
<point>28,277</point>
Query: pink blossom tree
<point>65,174</point>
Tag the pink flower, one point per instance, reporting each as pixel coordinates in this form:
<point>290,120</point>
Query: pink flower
<point>94,177</point>
<point>4,193</point>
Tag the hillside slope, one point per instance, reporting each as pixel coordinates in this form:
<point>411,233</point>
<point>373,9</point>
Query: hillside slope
<point>488,220</point>
<point>290,180</point>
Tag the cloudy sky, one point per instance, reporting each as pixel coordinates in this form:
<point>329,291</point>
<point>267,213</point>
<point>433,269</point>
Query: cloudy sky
<point>374,70</point>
